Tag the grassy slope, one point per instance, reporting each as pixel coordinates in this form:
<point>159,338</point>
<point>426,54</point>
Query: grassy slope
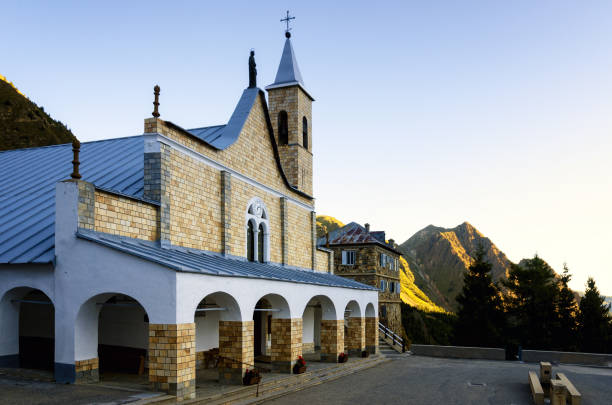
<point>411,294</point>
<point>23,124</point>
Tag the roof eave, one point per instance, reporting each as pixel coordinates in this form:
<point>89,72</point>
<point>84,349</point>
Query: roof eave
<point>289,84</point>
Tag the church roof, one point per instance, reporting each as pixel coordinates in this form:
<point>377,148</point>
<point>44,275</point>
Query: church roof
<point>288,73</point>
<point>215,264</point>
<point>27,190</point>
<point>222,136</point>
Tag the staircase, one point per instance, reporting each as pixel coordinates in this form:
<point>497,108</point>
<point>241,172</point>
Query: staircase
<point>390,352</point>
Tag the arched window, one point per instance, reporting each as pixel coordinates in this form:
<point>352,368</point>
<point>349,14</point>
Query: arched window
<point>261,244</point>
<point>283,128</point>
<point>250,242</point>
<point>305,132</point>
<point>257,232</point>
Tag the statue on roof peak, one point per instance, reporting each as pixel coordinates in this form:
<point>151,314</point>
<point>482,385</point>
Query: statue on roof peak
<point>252,71</point>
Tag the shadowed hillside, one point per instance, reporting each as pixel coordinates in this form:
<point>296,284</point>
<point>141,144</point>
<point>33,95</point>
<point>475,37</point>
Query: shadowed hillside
<point>24,125</point>
<point>440,257</point>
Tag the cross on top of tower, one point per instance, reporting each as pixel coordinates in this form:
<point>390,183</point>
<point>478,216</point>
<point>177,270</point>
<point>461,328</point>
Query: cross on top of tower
<point>286,20</point>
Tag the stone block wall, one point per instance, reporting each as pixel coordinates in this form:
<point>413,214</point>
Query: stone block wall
<point>254,140</point>
<point>87,371</point>
<point>308,347</point>
<point>332,340</point>
<point>172,359</point>
<point>123,216</point>
<point>393,317</point>
<point>299,236</point>
<point>235,350</point>
<point>194,196</point>
<point>322,261</point>
<point>355,337</point>
<point>286,343</point>
<point>86,205</point>
<point>371,334</point>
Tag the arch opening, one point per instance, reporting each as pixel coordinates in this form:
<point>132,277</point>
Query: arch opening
<point>318,309</point>
<point>27,333</point>
<point>267,308</point>
<point>211,312</point>
<point>283,128</point>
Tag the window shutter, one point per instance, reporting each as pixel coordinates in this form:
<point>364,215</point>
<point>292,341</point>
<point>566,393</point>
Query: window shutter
<point>344,257</point>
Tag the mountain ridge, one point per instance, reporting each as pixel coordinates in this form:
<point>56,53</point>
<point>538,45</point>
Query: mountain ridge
<point>442,255</point>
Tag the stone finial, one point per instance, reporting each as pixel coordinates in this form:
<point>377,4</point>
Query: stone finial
<point>76,147</point>
<point>367,228</point>
<point>156,90</point>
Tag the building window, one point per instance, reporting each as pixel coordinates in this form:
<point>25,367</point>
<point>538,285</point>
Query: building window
<point>382,285</point>
<point>250,242</point>
<point>260,243</point>
<point>398,288</point>
<point>391,287</point>
<point>305,132</point>
<point>257,231</point>
<point>283,128</point>
<point>348,257</point>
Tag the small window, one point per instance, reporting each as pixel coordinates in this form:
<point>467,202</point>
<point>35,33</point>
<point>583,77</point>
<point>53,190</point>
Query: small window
<point>250,242</point>
<point>398,288</point>
<point>391,287</point>
<point>283,128</point>
<point>382,285</point>
<point>260,244</point>
<point>348,257</point>
<point>305,132</point>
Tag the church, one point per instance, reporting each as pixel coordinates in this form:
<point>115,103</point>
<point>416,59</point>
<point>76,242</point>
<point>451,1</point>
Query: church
<point>151,252</point>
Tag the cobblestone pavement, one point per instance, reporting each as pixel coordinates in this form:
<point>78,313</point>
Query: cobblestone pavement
<point>425,380</point>
<point>15,390</point>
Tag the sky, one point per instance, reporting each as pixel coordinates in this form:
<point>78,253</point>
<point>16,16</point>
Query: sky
<point>497,113</point>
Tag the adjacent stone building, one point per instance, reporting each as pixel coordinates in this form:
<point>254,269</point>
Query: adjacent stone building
<point>165,248</point>
<point>367,257</point>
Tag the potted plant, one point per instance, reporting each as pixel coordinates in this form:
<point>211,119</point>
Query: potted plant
<point>365,354</point>
<point>342,357</point>
<point>300,366</point>
<point>251,377</point>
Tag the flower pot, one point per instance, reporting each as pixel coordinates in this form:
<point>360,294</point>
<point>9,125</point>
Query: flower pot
<point>297,369</point>
<point>365,354</point>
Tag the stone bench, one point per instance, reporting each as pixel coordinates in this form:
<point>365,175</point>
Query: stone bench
<point>536,388</point>
<point>575,396</point>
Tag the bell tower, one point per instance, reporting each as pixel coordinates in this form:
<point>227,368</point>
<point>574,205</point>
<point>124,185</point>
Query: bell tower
<point>290,108</point>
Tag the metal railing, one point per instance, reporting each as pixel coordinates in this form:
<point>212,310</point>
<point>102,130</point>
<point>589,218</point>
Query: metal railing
<point>389,334</point>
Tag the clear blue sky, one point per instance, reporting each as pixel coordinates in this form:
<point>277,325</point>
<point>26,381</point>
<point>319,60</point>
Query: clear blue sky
<point>432,112</point>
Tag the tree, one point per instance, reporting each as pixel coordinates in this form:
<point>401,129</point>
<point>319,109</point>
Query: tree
<point>480,319</point>
<point>593,320</point>
<point>531,297</point>
<point>567,310</point>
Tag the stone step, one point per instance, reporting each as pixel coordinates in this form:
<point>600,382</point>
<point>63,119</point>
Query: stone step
<point>278,387</point>
<point>311,383</point>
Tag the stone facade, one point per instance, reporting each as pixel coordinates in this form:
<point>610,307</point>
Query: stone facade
<point>205,208</point>
<point>308,347</point>
<point>172,358</point>
<point>368,270</point>
<point>123,216</point>
<point>371,334</point>
<point>87,371</point>
<point>355,335</point>
<point>286,343</point>
<point>235,350</point>
<point>332,340</point>
<point>295,158</point>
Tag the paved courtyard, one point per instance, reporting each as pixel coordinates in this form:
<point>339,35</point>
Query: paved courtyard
<point>425,380</point>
